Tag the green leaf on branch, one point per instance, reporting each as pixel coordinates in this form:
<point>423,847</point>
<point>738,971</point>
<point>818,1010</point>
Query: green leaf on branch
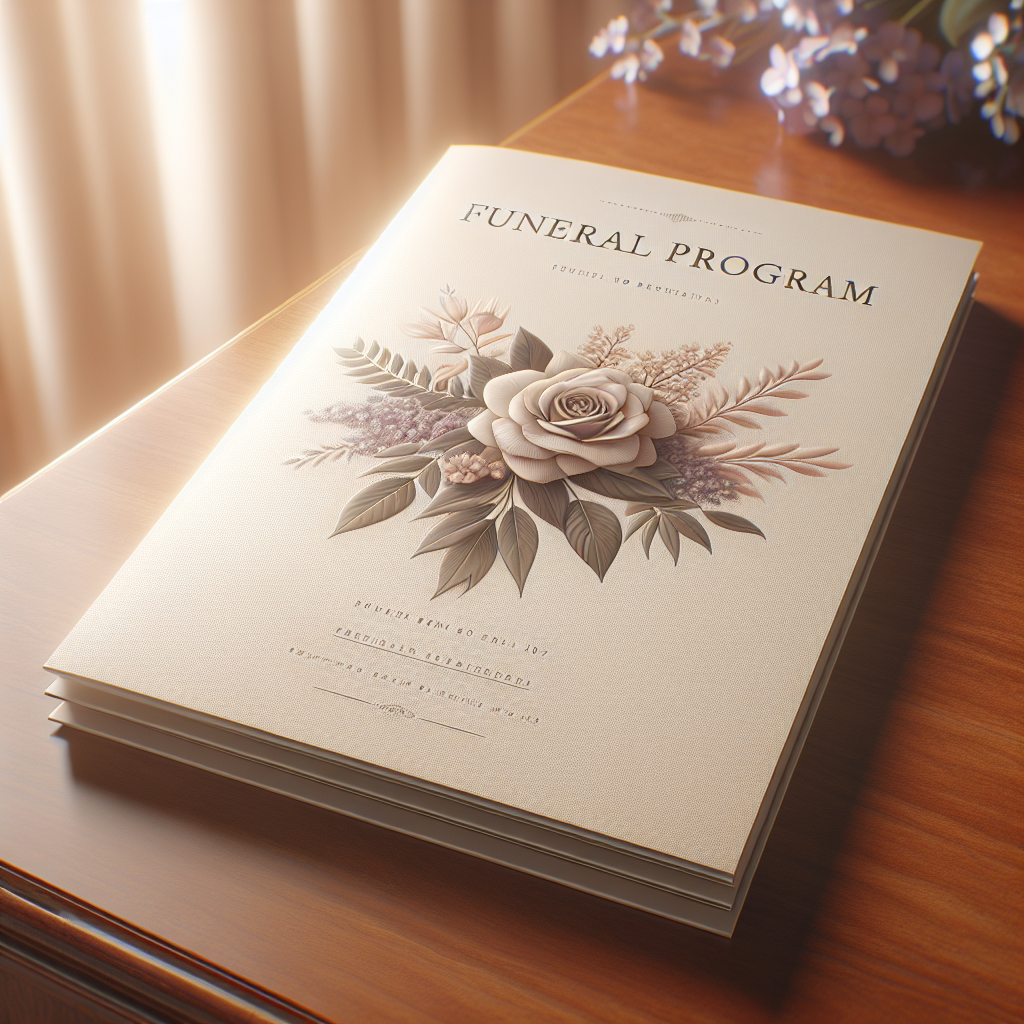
<point>430,478</point>
<point>397,450</point>
<point>689,528</point>
<point>406,464</point>
<point>457,497</point>
<point>643,474</point>
<point>528,352</point>
<point>549,501</point>
<point>635,507</point>
<point>455,528</point>
<point>642,520</point>
<point>375,503</point>
<point>468,561</point>
<point>670,537</point>
<point>621,486</point>
<point>460,435</point>
<point>389,373</point>
<point>650,530</point>
<point>518,542</point>
<point>728,521</point>
<point>958,17</point>
<point>470,447</point>
<point>662,470</point>
<point>482,369</point>
<point>594,533</point>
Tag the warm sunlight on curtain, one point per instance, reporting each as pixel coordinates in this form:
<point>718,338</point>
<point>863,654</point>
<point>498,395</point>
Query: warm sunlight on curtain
<point>170,170</point>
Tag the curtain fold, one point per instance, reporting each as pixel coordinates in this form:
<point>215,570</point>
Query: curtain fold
<point>85,235</point>
<point>170,170</point>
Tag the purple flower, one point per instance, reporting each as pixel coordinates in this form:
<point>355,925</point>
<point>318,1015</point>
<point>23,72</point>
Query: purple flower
<point>381,422</point>
<point>699,478</point>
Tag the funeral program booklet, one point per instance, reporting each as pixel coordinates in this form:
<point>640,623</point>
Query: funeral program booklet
<point>556,514</point>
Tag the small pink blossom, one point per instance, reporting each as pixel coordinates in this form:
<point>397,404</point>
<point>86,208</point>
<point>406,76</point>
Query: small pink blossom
<point>835,128</point>
<point>818,98</point>
<point>650,55</point>
<point>627,68</point>
<point>722,51</point>
<point>999,28</point>
<point>690,38</point>
<point>612,37</point>
<point>783,74</point>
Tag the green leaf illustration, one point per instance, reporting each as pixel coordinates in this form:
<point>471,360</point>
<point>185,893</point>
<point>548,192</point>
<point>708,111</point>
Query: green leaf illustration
<point>447,440</point>
<point>455,528</point>
<point>405,464</point>
<point>470,447</point>
<point>549,501</point>
<point>430,478</point>
<point>518,542</point>
<point>468,561</point>
<point>728,521</point>
<point>379,369</point>
<point>482,369</point>
<point>670,535</point>
<point>689,528</point>
<point>662,470</point>
<point>650,530</point>
<point>675,503</point>
<point>958,17</point>
<point>643,474</point>
<point>620,486</point>
<point>642,520</point>
<point>594,533</point>
<point>528,352</point>
<point>443,400</point>
<point>456,497</point>
<point>374,504</point>
<point>399,449</point>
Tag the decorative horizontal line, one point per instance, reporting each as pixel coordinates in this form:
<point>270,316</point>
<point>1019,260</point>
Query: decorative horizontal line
<point>444,725</point>
<point>337,693</point>
<point>374,704</point>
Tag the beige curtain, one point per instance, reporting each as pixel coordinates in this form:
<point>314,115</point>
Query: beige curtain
<point>170,170</point>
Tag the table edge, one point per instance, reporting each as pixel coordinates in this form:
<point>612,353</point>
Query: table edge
<point>124,968</point>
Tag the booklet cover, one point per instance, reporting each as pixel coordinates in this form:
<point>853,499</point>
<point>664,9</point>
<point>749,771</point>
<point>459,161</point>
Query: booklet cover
<point>557,502</point>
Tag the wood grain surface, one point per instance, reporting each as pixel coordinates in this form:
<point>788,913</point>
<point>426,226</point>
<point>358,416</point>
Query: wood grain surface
<point>891,887</point>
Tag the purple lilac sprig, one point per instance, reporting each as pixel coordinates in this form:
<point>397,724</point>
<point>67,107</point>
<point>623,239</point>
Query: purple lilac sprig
<point>382,422</point>
<point>700,478</point>
<point>833,67</point>
<point>998,69</point>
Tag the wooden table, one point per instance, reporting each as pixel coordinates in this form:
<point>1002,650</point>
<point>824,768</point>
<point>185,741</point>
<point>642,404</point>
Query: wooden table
<point>891,886</point>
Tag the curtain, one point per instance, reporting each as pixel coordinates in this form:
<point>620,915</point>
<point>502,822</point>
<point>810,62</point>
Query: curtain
<point>171,170</point>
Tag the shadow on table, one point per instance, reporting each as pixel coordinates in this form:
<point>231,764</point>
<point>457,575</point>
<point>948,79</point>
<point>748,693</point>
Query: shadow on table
<point>515,920</point>
<point>965,156</point>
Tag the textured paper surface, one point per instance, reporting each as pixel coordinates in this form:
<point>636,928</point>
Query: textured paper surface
<point>651,705</point>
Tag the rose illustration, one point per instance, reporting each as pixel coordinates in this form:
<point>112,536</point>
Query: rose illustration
<point>551,428</point>
<point>571,418</point>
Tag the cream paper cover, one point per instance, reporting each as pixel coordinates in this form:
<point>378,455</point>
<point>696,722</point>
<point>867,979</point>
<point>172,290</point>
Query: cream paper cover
<point>651,705</point>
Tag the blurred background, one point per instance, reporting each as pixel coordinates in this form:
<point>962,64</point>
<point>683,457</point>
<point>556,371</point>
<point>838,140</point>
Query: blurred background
<point>171,170</point>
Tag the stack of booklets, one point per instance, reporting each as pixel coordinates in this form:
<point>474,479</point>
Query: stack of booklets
<point>542,542</point>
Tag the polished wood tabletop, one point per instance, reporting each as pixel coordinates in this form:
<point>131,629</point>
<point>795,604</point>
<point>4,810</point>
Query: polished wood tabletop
<point>134,888</point>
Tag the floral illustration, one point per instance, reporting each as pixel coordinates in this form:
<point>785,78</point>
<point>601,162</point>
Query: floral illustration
<point>494,442</point>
